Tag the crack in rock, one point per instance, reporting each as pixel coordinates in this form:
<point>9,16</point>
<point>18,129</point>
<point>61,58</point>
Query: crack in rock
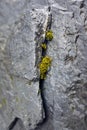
<point>47,26</point>
<point>42,27</point>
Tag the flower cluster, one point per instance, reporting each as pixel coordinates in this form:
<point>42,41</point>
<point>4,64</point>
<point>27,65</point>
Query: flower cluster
<point>44,66</point>
<point>49,35</point>
<point>46,60</point>
<point>43,45</point>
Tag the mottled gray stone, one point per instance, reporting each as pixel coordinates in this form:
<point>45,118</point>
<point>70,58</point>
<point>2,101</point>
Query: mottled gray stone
<point>66,84</point>
<point>19,77</point>
<point>65,89</point>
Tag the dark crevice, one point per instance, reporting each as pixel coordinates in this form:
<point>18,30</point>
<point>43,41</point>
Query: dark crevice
<point>41,86</point>
<point>16,124</point>
<point>82,4</point>
<point>41,81</point>
<point>11,126</point>
<point>76,38</point>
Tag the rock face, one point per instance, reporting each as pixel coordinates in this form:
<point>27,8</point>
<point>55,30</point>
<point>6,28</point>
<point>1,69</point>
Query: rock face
<point>65,88</point>
<point>19,77</point>
<point>66,83</point>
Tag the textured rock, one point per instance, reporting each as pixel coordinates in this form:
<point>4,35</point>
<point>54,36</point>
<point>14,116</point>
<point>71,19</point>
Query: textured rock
<point>65,89</point>
<point>66,83</point>
<point>17,125</point>
<point>19,77</point>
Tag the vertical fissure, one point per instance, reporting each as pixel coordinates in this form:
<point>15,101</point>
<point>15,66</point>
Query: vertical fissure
<point>41,81</point>
<point>40,52</point>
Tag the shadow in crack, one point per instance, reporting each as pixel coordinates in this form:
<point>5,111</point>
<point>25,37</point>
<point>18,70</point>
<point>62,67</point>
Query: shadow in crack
<point>41,86</point>
<point>16,124</point>
<point>48,118</point>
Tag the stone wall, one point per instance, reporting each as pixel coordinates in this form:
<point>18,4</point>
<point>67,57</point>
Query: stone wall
<point>65,88</point>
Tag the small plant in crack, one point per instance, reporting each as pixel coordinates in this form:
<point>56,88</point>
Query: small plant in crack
<point>49,35</point>
<point>44,46</point>
<point>44,66</point>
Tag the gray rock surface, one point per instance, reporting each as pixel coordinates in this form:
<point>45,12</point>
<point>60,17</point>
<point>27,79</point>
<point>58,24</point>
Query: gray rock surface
<point>66,83</point>
<point>19,77</point>
<point>65,88</point>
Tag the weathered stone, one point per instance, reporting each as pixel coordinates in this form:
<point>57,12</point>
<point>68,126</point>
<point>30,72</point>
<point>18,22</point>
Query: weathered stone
<point>66,84</point>
<point>65,89</point>
<point>19,77</point>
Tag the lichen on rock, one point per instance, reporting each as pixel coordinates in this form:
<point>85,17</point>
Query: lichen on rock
<point>49,35</point>
<point>44,66</point>
<point>44,46</point>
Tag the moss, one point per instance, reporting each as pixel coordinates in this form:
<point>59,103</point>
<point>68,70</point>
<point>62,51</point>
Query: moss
<point>17,99</point>
<point>3,101</point>
<point>49,35</point>
<point>30,82</point>
<point>11,77</point>
<point>0,105</point>
<point>43,45</point>
<point>44,66</point>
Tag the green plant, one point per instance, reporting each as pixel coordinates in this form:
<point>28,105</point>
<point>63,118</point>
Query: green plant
<point>43,45</point>
<point>44,66</point>
<point>49,35</point>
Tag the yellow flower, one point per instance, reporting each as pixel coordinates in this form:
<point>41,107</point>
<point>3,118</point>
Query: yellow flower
<point>44,66</point>
<point>49,35</point>
<point>43,45</point>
